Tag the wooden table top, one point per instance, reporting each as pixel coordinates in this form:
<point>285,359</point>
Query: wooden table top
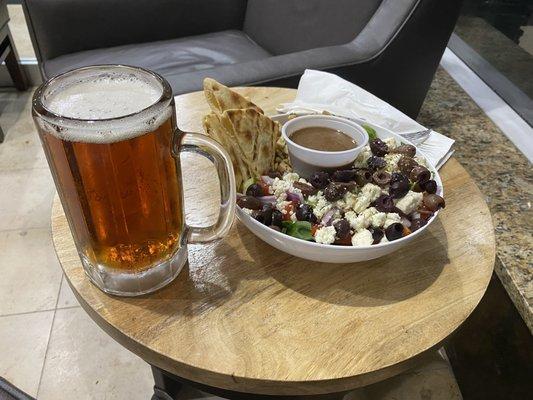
<point>244,316</point>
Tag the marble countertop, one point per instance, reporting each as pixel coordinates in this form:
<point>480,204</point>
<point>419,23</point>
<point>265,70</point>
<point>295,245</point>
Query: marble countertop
<point>502,173</point>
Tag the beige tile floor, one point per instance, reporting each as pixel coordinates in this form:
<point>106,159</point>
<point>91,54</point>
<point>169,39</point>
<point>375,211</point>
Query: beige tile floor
<point>49,347</point>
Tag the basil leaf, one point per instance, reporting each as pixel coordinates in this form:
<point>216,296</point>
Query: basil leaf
<point>372,134</point>
<point>299,229</point>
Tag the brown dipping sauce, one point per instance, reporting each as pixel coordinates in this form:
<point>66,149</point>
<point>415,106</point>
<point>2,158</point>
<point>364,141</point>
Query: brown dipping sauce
<point>323,139</point>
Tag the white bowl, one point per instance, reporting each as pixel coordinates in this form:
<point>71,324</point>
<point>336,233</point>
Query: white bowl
<point>332,253</point>
<point>305,161</point>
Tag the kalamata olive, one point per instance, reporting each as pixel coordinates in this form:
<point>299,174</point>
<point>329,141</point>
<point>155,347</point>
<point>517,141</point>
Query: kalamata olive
<point>430,186</point>
<point>254,190</point>
<point>378,147</point>
<point>342,227</point>
<point>384,203</point>
<point>399,185</point>
<point>377,235</point>
<point>334,191</point>
<point>374,163</point>
<point>417,223</point>
<point>267,211</point>
<point>417,187</point>
<point>249,202</point>
<point>362,177</point>
<point>394,231</point>
<point>381,178</point>
<point>419,174</point>
<point>405,149</point>
<point>424,212</point>
<point>277,218</point>
<point>319,179</point>
<point>433,202</point>
<point>275,227</point>
<point>307,190</point>
<point>274,174</point>
<point>406,165</point>
<point>345,175</point>
<point>348,186</point>
<point>304,212</point>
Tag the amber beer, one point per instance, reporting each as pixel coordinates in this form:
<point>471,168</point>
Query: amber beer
<point>110,138</point>
<point>121,186</point>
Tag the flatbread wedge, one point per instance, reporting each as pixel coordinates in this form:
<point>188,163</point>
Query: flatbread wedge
<point>256,135</point>
<point>221,98</point>
<point>215,129</point>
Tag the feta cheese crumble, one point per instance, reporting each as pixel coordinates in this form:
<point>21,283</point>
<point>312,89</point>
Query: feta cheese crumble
<point>410,202</point>
<point>362,238</point>
<point>325,235</point>
<point>392,218</point>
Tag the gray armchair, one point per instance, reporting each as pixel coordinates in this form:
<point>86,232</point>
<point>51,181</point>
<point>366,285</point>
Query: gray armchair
<point>390,47</point>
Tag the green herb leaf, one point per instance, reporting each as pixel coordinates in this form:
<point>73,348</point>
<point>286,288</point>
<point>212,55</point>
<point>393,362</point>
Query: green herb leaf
<point>298,229</point>
<point>372,134</point>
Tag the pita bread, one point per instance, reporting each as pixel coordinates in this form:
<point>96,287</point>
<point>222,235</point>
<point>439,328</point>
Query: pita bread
<point>256,135</point>
<point>221,98</point>
<point>215,129</point>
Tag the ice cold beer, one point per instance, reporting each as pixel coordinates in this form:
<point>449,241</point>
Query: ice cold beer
<point>119,182</point>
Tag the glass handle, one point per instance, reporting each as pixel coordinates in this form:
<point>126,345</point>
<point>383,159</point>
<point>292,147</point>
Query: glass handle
<point>213,151</point>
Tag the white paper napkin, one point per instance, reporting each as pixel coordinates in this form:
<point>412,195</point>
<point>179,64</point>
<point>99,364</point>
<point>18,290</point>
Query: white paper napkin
<point>321,91</point>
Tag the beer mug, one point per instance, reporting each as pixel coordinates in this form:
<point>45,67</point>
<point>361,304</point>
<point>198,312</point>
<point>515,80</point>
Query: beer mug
<point>111,140</point>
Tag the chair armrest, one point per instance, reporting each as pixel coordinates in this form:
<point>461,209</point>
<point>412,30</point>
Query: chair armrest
<point>60,27</point>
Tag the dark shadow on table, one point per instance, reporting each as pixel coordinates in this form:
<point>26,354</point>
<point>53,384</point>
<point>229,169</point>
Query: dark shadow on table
<point>216,270</point>
<point>390,279</point>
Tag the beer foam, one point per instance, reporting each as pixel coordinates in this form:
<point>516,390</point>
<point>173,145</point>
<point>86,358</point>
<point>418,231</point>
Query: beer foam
<point>91,104</point>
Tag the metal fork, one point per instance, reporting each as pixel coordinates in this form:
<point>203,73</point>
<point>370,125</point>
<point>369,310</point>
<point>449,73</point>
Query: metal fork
<point>417,137</point>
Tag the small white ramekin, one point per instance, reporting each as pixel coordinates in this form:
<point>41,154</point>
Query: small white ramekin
<point>306,161</point>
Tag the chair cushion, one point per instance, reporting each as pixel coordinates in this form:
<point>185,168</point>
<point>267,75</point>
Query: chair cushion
<point>173,56</point>
<point>287,26</point>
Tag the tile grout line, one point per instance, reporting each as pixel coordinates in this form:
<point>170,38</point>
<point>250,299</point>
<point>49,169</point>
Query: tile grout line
<point>49,337</point>
<point>30,228</point>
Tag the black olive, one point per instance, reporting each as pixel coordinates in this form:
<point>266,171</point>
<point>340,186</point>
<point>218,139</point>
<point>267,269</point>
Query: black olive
<point>334,191</point>
<point>304,212</point>
<point>406,165</point>
<point>420,174</point>
<point>430,186</point>
<point>277,218</point>
<point>384,203</point>
<point>254,190</point>
<point>345,175</point>
<point>405,149</point>
<point>417,223</point>
<point>377,235</point>
<point>399,185</point>
<point>307,190</point>
<point>267,214</point>
<point>342,227</point>
<point>249,202</point>
<point>258,216</point>
<point>394,231</point>
<point>381,178</point>
<point>375,163</point>
<point>378,147</point>
<point>319,179</point>
<point>362,177</point>
<point>274,174</point>
<point>417,187</point>
<point>433,202</point>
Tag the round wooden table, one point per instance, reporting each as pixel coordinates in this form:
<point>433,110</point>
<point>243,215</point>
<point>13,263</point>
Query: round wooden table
<point>245,317</point>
